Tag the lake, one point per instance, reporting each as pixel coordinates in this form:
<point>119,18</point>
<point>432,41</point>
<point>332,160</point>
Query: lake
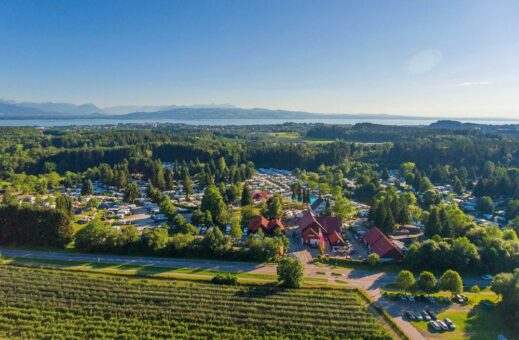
<point>388,121</point>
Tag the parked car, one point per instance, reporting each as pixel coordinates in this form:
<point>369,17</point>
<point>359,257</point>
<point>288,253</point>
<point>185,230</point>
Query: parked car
<point>442,325</point>
<point>426,316</point>
<point>434,325</point>
<point>458,298</point>
<point>487,277</point>
<point>410,298</point>
<point>418,317</point>
<point>409,315</point>
<point>432,314</point>
<point>450,324</point>
<point>431,300</point>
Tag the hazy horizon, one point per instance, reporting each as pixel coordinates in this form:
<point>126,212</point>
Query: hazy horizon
<point>430,59</point>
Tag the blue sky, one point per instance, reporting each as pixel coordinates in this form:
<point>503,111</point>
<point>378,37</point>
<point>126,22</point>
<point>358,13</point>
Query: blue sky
<point>441,58</point>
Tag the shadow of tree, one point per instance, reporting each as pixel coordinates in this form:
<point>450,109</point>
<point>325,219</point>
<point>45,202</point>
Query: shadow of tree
<point>485,321</point>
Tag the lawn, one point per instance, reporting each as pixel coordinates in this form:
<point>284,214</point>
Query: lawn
<point>135,270</point>
<point>476,323</point>
<point>285,135</point>
<point>54,303</point>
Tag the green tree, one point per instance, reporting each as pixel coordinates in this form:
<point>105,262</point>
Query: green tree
<point>65,204</point>
<point>93,236</point>
<point>373,259</point>
<point>427,281</point>
<point>131,193</point>
<point>457,186</point>
<point>405,280</point>
<point>433,225</point>
<point>290,272</point>
<point>197,218</point>
<point>213,202</point>
<point>343,208</point>
<point>275,208</point>
<point>236,231</point>
<point>187,184</point>
<point>169,179</point>
<point>246,195</point>
<point>87,188</point>
<point>485,205</point>
<point>451,281</point>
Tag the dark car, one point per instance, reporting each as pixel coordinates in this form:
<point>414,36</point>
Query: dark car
<point>434,325</point>
<point>426,316</point>
<point>409,315</point>
<point>432,314</point>
<point>450,324</point>
<point>443,325</point>
<point>418,316</point>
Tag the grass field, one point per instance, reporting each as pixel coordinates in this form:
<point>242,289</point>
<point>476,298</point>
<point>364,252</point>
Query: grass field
<point>54,303</point>
<point>476,323</point>
<point>285,135</point>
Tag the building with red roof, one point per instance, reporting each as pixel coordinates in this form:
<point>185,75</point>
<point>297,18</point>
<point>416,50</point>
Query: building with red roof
<point>267,226</point>
<point>315,230</point>
<point>380,244</point>
<point>260,195</point>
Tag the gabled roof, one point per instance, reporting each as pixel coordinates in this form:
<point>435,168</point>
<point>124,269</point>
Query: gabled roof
<point>381,245</point>
<point>258,222</point>
<point>308,220</point>
<point>266,225</point>
<point>330,223</point>
<point>316,203</point>
<point>276,222</point>
<point>336,239</point>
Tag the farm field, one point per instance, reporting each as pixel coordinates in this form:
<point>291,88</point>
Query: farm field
<point>50,303</point>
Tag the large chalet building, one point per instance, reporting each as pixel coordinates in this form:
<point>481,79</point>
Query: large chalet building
<point>316,231</point>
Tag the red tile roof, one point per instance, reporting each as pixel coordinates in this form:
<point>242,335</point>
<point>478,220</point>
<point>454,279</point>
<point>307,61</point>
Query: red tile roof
<point>256,223</point>
<point>336,239</point>
<point>267,226</point>
<point>259,195</point>
<point>329,226</point>
<point>380,244</point>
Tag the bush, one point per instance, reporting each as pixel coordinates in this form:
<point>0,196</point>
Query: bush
<point>225,279</point>
<point>475,289</point>
<point>373,260</point>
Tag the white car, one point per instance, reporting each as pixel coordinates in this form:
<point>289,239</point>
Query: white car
<point>487,277</point>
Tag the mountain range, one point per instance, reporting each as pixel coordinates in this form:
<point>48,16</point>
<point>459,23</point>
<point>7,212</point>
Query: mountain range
<point>31,110</point>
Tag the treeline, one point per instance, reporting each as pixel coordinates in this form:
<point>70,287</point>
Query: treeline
<point>98,237</point>
<point>456,242</point>
<point>33,226</point>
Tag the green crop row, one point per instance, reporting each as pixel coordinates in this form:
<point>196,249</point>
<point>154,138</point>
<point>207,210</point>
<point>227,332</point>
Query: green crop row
<point>51,303</point>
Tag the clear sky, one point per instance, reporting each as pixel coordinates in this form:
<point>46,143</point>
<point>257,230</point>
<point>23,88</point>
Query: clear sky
<point>441,58</point>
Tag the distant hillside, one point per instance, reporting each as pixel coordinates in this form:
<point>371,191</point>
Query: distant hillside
<point>13,110</point>
<point>511,129</point>
<point>191,113</point>
<point>124,109</point>
<point>73,109</point>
